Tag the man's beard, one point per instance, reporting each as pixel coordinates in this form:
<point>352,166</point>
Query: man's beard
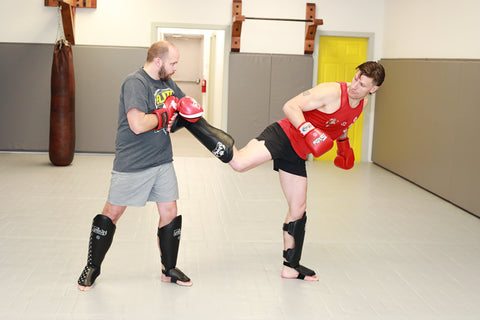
<point>162,74</point>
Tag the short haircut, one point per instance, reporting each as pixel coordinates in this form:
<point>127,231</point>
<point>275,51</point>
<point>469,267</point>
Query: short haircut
<point>159,49</point>
<point>373,70</point>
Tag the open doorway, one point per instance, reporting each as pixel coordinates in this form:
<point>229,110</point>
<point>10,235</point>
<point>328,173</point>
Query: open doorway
<point>202,67</point>
<point>190,75</point>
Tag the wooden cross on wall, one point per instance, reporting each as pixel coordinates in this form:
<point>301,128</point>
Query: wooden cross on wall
<point>68,14</point>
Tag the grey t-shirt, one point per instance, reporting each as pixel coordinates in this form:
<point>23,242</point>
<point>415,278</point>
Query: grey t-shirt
<point>152,148</point>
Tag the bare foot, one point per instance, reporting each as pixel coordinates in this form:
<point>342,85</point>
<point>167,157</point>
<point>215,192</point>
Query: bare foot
<point>83,288</point>
<point>87,278</point>
<point>290,273</point>
<point>180,283</point>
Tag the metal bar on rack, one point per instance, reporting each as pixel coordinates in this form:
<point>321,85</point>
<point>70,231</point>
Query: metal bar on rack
<point>279,19</point>
<point>197,81</point>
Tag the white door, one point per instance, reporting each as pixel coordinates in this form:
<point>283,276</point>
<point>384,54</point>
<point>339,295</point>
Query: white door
<point>202,56</point>
<point>190,66</point>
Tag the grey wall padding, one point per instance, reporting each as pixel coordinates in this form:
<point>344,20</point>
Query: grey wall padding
<point>248,96</point>
<point>25,71</point>
<point>25,92</point>
<point>426,126</point>
<point>259,86</point>
<point>100,72</point>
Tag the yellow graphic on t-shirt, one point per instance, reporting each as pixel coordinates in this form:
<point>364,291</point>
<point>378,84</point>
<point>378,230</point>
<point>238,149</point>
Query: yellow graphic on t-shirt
<point>161,95</point>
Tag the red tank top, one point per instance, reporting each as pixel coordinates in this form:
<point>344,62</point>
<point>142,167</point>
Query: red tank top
<point>334,124</point>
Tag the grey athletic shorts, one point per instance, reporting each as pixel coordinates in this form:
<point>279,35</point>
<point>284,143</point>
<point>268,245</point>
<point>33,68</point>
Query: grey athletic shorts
<point>157,184</point>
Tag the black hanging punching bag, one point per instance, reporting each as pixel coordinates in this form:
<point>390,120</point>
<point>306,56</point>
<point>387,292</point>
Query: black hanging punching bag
<point>62,106</point>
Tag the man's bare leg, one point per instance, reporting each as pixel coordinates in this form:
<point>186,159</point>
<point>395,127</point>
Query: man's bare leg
<point>252,155</point>
<point>295,190</point>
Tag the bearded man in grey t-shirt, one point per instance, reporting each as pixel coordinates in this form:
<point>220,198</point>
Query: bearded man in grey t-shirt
<point>143,166</point>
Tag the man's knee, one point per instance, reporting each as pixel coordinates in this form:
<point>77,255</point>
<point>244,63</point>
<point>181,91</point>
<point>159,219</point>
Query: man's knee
<point>250,156</point>
<point>237,165</point>
<point>167,211</point>
<point>296,211</point>
<point>114,212</point>
<point>300,210</point>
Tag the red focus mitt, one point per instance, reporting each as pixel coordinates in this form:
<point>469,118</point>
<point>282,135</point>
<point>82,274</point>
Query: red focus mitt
<point>189,109</point>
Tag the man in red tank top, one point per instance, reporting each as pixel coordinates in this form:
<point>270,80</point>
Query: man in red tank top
<point>314,119</point>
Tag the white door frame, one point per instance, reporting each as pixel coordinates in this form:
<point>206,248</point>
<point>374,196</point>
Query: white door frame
<point>219,106</point>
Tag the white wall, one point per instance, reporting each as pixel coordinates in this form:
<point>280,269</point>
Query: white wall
<point>403,29</point>
<point>350,16</point>
<point>112,23</point>
<point>128,23</point>
<point>432,29</point>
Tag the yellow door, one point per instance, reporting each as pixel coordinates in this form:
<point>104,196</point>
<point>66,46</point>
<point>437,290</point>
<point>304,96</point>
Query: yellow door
<point>337,59</point>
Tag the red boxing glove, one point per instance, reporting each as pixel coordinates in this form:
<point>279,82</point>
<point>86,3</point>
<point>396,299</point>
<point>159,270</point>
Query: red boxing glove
<point>189,109</point>
<point>171,104</point>
<point>165,113</point>
<point>345,157</point>
<point>317,141</point>
<point>162,118</point>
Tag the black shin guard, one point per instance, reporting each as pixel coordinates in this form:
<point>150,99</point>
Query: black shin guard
<point>169,242</point>
<point>292,256</point>
<point>217,141</point>
<point>101,237</point>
